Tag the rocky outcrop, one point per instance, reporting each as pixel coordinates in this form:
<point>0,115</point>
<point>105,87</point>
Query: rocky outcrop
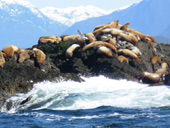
<point>19,77</point>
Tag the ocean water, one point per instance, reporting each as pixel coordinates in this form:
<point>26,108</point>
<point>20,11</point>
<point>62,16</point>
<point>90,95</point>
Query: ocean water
<point>99,102</point>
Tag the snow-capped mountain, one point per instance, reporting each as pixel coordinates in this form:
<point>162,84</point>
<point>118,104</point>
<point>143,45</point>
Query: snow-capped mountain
<point>22,24</point>
<point>149,17</point>
<point>69,16</point>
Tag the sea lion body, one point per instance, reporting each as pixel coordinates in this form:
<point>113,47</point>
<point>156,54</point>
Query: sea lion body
<point>105,50</point>
<point>70,50</point>
<point>10,50</point>
<point>2,59</point>
<point>129,53</point>
<point>122,59</point>
<point>100,43</point>
<point>90,37</point>
<point>162,71</point>
<point>155,59</point>
<point>136,50</point>
<point>112,41</point>
<point>127,37</point>
<point>49,39</point>
<point>24,55</point>
<point>125,26</point>
<point>150,77</point>
<point>112,31</point>
<point>72,37</point>
<point>40,56</point>
<point>111,25</point>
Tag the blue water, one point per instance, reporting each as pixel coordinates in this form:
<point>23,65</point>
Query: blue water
<point>97,103</point>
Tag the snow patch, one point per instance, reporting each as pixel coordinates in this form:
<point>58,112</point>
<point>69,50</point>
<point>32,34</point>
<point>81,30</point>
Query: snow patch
<point>69,16</point>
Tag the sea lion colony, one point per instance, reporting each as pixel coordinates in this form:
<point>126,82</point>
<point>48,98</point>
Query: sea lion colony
<point>20,55</point>
<point>107,39</point>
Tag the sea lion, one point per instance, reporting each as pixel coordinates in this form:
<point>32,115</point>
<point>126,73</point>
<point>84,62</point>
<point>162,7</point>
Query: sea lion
<point>24,55</point>
<point>112,41</point>
<point>157,76</point>
<point>105,50</point>
<point>70,50</point>
<point>99,43</point>
<point>72,37</point>
<point>135,50</point>
<point>150,77</point>
<point>140,35</point>
<point>125,26</point>
<point>11,50</point>
<point>2,59</point>
<point>162,71</point>
<point>90,37</point>
<point>149,41</point>
<point>39,56</point>
<point>49,39</point>
<point>129,53</point>
<point>62,36</point>
<point>153,40</point>
<point>155,59</point>
<point>111,25</point>
<point>127,37</point>
<point>122,59</point>
<point>112,31</point>
<point>99,26</point>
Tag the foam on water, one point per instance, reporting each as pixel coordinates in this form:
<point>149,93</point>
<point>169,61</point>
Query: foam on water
<point>93,93</point>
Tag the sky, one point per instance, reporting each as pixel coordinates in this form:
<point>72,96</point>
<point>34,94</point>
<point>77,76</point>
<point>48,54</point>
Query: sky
<point>103,4</point>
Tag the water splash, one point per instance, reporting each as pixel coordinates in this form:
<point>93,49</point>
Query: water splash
<point>95,92</point>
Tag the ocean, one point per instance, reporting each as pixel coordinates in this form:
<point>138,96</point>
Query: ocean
<point>99,102</point>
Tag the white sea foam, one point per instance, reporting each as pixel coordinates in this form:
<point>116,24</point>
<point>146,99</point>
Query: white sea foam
<point>95,92</point>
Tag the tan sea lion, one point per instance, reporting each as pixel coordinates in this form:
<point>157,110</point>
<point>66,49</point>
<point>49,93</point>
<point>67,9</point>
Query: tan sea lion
<point>2,59</point>
<point>10,50</point>
<point>153,40</point>
<point>100,43</point>
<point>105,50</point>
<point>72,37</point>
<point>24,55</point>
<point>112,41</point>
<point>49,39</point>
<point>149,41</point>
<point>140,35</point>
<point>39,56</point>
<point>122,59</point>
<point>129,53</point>
<point>157,76</point>
<point>90,37</point>
<point>136,50</point>
<point>125,26</point>
<point>70,50</point>
<point>111,25</point>
<point>112,31</point>
<point>162,71</point>
<point>150,77</point>
<point>62,36</point>
<point>127,37</point>
<point>99,26</point>
<point>155,59</point>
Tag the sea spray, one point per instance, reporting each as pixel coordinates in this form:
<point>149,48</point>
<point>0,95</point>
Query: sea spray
<point>93,93</point>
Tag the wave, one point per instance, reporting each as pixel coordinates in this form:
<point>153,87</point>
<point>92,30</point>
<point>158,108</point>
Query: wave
<point>94,92</point>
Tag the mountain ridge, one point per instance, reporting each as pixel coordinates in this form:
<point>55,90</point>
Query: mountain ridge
<point>71,15</point>
<point>22,24</point>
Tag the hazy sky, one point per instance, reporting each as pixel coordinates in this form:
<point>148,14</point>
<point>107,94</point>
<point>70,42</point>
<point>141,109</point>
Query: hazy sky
<point>104,4</point>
